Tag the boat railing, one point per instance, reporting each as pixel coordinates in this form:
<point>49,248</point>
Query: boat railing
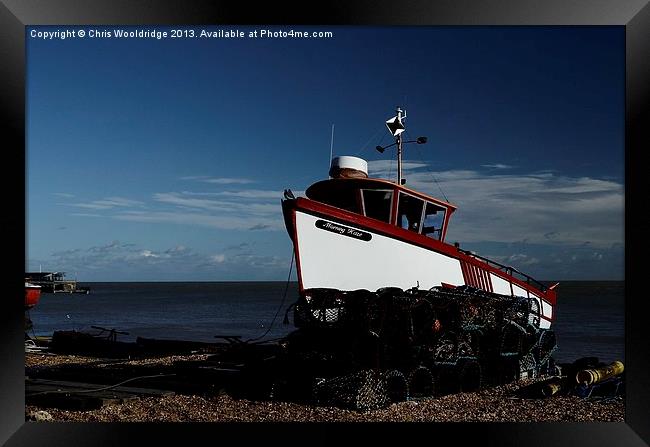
<point>508,270</point>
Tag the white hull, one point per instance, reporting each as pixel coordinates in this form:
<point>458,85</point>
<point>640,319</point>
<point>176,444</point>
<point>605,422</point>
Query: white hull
<point>329,259</point>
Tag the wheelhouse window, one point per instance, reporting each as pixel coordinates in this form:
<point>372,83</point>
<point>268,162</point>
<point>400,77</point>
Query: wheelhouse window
<point>434,218</point>
<point>344,198</point>
<point>377,203</point>
<point>409,212</point>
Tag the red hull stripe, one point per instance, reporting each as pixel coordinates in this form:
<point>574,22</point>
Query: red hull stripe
<point>479,278</point>
<point>476,277</point>
<point>475,280</point>
<point>463,267</point>
<point>485,279</point>
<point>336,214</point>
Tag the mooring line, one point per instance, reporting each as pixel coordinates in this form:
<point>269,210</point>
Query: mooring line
<point>284,297</point>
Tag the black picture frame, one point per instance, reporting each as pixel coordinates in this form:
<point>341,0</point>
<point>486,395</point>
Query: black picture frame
<point>634,15</point>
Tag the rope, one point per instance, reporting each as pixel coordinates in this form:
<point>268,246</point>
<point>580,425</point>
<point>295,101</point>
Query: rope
<point>284,297</point>
<point>29,317</point>
<point>430,171</point>
<point>98,389</point>
<point>370,139</point>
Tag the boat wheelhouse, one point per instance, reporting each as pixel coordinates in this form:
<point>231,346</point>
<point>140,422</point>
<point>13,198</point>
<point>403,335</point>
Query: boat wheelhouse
<point>352,232</point>
<point>54,282</point>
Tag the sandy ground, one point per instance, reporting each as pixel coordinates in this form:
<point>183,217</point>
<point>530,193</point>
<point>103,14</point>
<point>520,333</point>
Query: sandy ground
<point>495,404</point>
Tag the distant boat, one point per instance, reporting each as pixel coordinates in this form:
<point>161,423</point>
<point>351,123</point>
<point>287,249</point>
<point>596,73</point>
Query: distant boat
<point>54,282</point>
<point>32,295</point>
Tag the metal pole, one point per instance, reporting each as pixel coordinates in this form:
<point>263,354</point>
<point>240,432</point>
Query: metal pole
<point>331,147</point>
<point>399,149</point>
<point>399,159</point>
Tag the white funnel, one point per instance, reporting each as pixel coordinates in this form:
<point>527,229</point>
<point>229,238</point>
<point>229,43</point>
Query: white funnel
<point>348,167</point>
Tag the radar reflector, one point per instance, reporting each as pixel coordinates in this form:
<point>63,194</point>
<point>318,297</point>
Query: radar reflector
<point>395,125</point>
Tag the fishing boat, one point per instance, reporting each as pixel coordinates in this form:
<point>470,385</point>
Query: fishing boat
<point>354,232</point>
<point>32,295</point>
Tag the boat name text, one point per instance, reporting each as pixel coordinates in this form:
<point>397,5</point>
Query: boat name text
<point>343,230</point>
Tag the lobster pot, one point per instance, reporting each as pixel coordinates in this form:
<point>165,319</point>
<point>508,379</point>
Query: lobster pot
<point>362,390</point>
<point>321,308</point>
<point>527,367</point>
<point>534,313</point>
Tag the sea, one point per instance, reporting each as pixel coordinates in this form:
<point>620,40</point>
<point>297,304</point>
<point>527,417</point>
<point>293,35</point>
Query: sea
<point>589,314</point>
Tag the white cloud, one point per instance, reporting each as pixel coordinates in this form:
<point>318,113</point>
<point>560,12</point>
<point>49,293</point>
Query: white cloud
<point>120,261</point>
<point>521,259</point>
<point>260,261</point>
<point>381,168</point>
<point>244,194</point>
<point>252,209</point>
<point>178,249</point>
<point>498,166</point>
<point>206,220</point>
<point>108,203</point>
<point>219,258</point>
<point>117,253</point>
<point>219,180</point>
<point>229,181</point>
<point>542,207</point>
<point>259,227</point>
<point>86,215</point>
<point>222,206</point>
<point>232,210</point>
<point>148,254</point>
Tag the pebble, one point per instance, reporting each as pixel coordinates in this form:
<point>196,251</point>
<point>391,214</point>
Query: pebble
<point>39,416</point>
<point>488,405</point>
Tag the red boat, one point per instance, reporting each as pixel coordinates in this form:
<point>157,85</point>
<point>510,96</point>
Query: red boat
<point>352,232</point>
<point>32,295</point>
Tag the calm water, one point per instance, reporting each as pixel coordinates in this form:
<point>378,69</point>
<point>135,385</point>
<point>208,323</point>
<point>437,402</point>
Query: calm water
<point>589,318</point>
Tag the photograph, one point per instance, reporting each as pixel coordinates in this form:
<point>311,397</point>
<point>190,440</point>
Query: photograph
<point>325,223</point>
<point>465,266</point>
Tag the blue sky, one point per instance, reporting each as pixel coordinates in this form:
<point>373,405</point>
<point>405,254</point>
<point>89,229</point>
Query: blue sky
<point>166,159</point>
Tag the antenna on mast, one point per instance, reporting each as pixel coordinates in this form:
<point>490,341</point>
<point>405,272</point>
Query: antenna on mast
<point>329,165</point>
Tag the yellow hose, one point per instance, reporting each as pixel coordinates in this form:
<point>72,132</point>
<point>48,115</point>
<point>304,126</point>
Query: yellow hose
<point>595,375</point>
<point>551,388</point>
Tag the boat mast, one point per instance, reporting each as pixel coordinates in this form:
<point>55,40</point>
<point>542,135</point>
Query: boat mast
<point>396,127</point>
<point>399,147</point>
